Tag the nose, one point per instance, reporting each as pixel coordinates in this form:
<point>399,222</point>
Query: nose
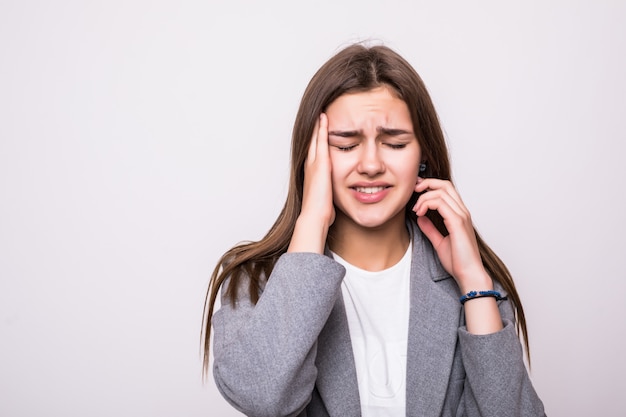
<point>370,161</point>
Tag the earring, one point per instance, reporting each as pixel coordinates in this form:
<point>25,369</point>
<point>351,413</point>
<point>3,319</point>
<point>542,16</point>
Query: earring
<point>422,167</point>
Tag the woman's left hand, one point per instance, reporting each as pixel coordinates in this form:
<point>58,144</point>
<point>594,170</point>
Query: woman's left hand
<point>458,252</point>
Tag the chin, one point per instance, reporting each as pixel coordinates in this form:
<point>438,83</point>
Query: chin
<point>374,220</point>
<point>371,223</point>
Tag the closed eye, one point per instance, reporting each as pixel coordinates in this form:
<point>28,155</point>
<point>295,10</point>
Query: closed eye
<point>345,148</point>
<point>396,145</point>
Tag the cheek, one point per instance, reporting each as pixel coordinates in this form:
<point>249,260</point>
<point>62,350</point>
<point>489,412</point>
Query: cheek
<point>335,174</point>
<point>340,168</point>
<point>413,172</point>
<point>409,181</point>
<point>407,169</point>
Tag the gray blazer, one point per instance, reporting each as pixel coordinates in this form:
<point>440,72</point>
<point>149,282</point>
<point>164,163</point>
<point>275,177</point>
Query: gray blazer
<point>291,355</point>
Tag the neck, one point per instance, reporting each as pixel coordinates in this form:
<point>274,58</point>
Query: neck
<point>371,249</point>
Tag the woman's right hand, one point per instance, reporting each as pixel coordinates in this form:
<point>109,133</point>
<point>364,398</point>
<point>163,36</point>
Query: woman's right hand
<point>318,212</point>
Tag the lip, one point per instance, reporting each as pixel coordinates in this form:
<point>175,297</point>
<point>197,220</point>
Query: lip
<point>371,192</point>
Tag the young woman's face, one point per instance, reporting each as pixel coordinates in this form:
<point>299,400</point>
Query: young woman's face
<point>374,154</point>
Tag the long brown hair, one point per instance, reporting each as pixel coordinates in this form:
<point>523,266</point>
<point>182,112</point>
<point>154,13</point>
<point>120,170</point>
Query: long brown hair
<point>354,69</point>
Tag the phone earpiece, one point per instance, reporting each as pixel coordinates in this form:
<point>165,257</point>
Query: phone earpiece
<point>422,168</point>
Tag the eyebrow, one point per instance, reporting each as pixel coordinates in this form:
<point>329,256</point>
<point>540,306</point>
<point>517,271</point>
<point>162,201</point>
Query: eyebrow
<point>382,130</point>
<point>344,133</point>
<point>392,132</point>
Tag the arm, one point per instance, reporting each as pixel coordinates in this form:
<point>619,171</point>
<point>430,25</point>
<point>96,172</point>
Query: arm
<point>497,383</point>
<point>458,251</point>
<point>264,355</point>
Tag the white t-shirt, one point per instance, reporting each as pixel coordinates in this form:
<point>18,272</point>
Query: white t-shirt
<point>377,306</point>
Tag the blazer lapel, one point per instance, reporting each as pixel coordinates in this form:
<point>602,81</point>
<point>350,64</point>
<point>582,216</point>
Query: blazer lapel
<point>336,380</point>
<point>433,330</point>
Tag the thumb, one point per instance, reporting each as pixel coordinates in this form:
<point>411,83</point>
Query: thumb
<point>429,229</point>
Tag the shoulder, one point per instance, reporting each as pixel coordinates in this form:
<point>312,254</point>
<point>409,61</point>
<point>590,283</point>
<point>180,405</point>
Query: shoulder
<point>290,270</point>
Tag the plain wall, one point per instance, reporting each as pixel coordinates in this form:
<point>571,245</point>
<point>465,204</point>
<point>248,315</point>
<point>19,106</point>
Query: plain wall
<point>139,140</point>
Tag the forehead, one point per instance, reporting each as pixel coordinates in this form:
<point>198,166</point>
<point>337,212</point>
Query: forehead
<point>381,104</point>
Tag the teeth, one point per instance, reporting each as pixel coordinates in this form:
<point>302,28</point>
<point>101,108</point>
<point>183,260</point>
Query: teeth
<point>369,190</point>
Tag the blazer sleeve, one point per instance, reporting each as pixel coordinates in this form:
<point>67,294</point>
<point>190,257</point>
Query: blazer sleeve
<point>264,354</point>
<point>497,383</point>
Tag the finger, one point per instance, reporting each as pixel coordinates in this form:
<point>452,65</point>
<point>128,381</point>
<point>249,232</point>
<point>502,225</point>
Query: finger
<point>436,200</point>
<point>429,184</point>
<point>424,184</point>
<point>313,145</point>
<point>441,201</point>
<point>453,221</point>
<point>428,228</point>
<point>322,136</point>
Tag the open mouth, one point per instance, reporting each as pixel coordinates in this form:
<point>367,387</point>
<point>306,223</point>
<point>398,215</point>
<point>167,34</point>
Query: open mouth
<point>369,190</point>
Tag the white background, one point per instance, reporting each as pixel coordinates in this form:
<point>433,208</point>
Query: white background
<point>139,140</point>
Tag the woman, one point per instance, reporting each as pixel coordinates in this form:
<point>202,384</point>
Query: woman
<point>372,294</point>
